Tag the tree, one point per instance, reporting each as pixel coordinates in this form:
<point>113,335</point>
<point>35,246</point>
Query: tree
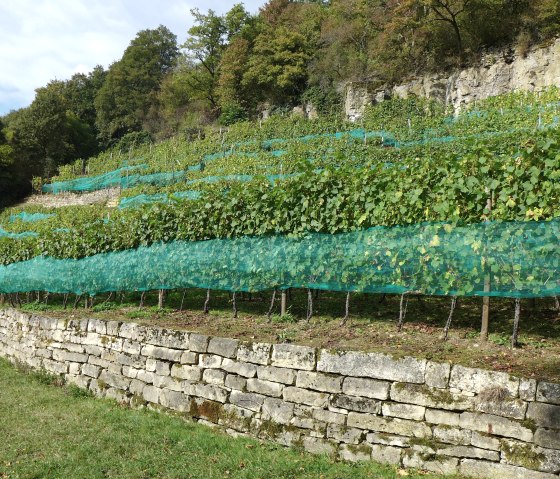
<point>131,87</point>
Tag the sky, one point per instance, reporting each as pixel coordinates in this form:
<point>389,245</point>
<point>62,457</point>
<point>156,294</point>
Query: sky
<point>43,40</point>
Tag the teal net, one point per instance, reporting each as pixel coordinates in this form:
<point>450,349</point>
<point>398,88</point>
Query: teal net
<point>8,234</point>
<point>518,259</point>
<point>140,200</point>
<point>30,217</point>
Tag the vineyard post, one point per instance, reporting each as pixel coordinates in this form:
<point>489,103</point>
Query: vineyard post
<point>283,302</point>
<point>486,299</point>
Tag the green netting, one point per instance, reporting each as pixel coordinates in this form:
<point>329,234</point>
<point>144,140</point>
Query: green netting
<point>139,200</point>
<point>30,217</point>
<point>519,259</point>
<point>8,234</point>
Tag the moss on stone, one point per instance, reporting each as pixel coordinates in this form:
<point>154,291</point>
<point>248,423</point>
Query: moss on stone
<point>210,410</point>
<point>522,455</point>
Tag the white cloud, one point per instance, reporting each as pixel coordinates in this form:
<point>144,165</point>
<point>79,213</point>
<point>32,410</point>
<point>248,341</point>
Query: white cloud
<point>43,40</point>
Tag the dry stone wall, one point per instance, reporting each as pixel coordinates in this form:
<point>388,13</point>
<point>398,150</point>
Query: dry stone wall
<point>358,406</point>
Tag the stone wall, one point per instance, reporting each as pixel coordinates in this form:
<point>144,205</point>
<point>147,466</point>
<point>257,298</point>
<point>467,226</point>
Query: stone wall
<point>499,71</point>
<point>359,406</point>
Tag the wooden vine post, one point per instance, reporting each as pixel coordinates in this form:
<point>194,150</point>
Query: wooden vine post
<point>486,299</point>
<point>283,302</point>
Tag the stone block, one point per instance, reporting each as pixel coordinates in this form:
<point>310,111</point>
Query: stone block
<point>118,395</point>
<point>209,361</point>
<point>319,446</point>
<point>437,374</point>
<point>147,377</point>
<point>303,396</point>
<point>386,454</point>
<point>163,368</point>
<point>277,375</point>
<point>267,388</point>
<point>400,427</point>
<point>151,365</point>
<point>175,400</point>
<point>372,365</point>
<point>452,435</point>
<point>132,347</point>
<point>113,328</point>
<point>549,438</point>
<point>341,433</point>
<point>151,394</point>
<point>188,357</point>
<point>369,388</point>
<point>477,380</point>
<point>223,347</point>
<point>74,368</point>
<point>132,331</point>
<point>319,382</point>
<point>484,441</point>
<point>530,456</point>
<point>167,382</point>
<point>234,381</point>
<point>114,380</point>
<point>214,376</point>
<point>160,352</point>
<point>91,370</point>
<point>295,357</point>
<point>250,401</point>
<point>423,395</point>
<point>404,411</point>
<point>527,389</point>
<point>545,415</point>
<point>97,326</point>
<point>258,353</point>
<point>277,411</point>
<point>129,372</point>
<point>353,403</point>
<point>198,343</point>
<point>134,361</point>
<point>192,373</point>
<point>61,355</point>
<point>136,387</point>
<point>513,408</point>
<point>354,453</point>
<point>236,418</point>
<point>388,439</point>
<point>240,368</point>
<point>436,416</point>
<point>439,465</point>
<point>468,452</point>
<point>485,469</point>
<point>206,391</point>
<point>168,338</point>
<point>495,425</point>
<point>548,393</point>
<point>329,416</point>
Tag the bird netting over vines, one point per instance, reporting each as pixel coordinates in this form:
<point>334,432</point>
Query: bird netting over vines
<point>517,259</point>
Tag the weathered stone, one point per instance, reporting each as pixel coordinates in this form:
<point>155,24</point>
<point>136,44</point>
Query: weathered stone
<point>545,415</point>
<point>61,355</point>
<point>485,441</point>
<point>132,347</point>
<point>113,328</point>
<point>145,376</point>
<point>437,374</point>
<point>277,375</point>
<point>478,380</point>
<point>167,338</point>
<point>303,396</point>
<point>440,465</point>
<point>163,368</point>
<point>74,368</point>
<point>369,388</point>
<point>223,347</point>
<point>97,326</point>
<point>485,469</point>
<point>151,365</point>
<point>247,370</point>
<point>527,389</point>
<point>354,453</point>
<point>55,367</point>
<point>177,401</point>
<point>353,403</point>
<point>207,391</point>
<point>192,373</point>
<point>80,381</point>
<point>129,372</point>
<point>188,357</point>
<point>136,387</point>
<point>423,395</point>
<point>151,394</point>
<point>114,380</point>
<point>547,438</point>
<point>386,454</point>
<point>388,439</point>
<point>234,381</point>
<point>345,434</point>
<point>319,382</point>
<point>91,370</point>
<point>114,368</point>
<point>401,427</point>
<point>549,393</point>
<point>258,353</point>
<point>198,343</point>
<point>435,416</point>
<point>267,388</point>
<point>277,411</point>
<point>167,382</point>
<point>530,456</point>
<point>160,352</point>
<point>208,361</point>
<point>329,416</point>
<point>250,401</point>
<point>404,411</point>
<point>132,331</point>
<point>468,452</point>
<point>117,394</point>
<point>514,408</point>
<point>292,356</point>
<point>496,425</point>
<point>214,376</point>
<point>236,418</point>
<point>452,435</point>
<point>373,365</point>
<point>319,446</point>
<point>137,362</point>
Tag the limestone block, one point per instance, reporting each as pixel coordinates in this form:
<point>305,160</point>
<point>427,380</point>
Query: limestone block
<point>372,365</point>
<point>192,373</point>
<point>151,394</point>
<point>388,439</point>
<point>136,387</point>
<point>353,403</point>
<point>168,338</point>
<point>147,377</point>
<point>548,438</point>
<point>329,417</point>
<point>545,415</point>
<point>292,356</point>
<point>368,388</point>
<point>91,370</point>
<point>495,425</point>
<point>258,353</point>
<point>163,368</point>
<point>440,465</point>
<point>277,375</point>
<point>530,456</point>
<point>134,361</point>
<point>168,382</point>
<point>209,361</point>
<point>175,400</point>
<point>484,441</point>
<point>478,380</point>
<point>319,446</point>
<point>223,347</point>
<point>453,435</point>
<point>437,374</point>
<point>513,408</point>
<point>277,411</point>
<point>188,357</point>
<point>250,401</point>
<point>241,368</point>
<point>354,453</point>
<point>485,469</point>
<point>319,382</point>
<point>267,388</point>
<point>234,381</point>
<point>345,434</point>
<point>129,372</point>
<point>114,380</point>
<point>303,396</point>
<point>214,376</point>
<point>160,352</point>
<point>401,427</point>
<point>207,391</point>
<point>549,393</point>
<point>61,355</point>
<point>527,389</point>
<point>404,411</point>
<point>386,454</point>
<point>436,416</point>
<point>423,395</point>
<point>198,343</point>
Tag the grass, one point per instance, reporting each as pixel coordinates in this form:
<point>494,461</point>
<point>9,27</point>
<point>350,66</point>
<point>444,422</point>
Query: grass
<point>371,327</point>
<point>58,432</point>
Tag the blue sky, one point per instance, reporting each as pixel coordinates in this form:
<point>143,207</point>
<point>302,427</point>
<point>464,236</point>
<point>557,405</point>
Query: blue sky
<point>43,40</point>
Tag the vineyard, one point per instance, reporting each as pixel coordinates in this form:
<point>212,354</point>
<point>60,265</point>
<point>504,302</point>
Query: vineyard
<point>410,201</point>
